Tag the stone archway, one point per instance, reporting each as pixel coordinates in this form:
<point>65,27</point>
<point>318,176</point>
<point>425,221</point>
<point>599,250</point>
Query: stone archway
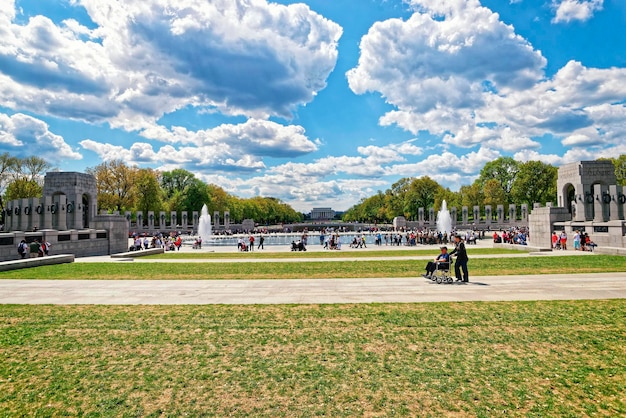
<point>569,196</point>
<point>585,177</point>
<point>80,191</point>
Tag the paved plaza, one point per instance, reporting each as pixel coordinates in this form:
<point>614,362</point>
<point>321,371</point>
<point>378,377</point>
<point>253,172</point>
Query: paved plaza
<point>313,291</point>
<point>318,291</point>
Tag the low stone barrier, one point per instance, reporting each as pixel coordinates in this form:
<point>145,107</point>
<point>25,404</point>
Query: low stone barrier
<point>610,250</point>
<point>36,262</point>
<point>139,253</point>
<point>528,248</point>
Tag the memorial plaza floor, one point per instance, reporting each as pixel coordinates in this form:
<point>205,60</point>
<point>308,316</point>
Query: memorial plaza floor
<point>313,291</point>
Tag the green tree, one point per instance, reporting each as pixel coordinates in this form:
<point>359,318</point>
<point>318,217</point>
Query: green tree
<point>472,195</point>
<point>504,170</point>
<point>23,189</point>
<point>115,182</point>
<point>535,182</point>
<point>21,178</point>
<point>33,168</point>
<point>620,169</point>
<point>176,182</point>
<point>421,194</point>
<point>196,195</point>
<point>493,193</point>
<point>8,164</point>
<point>148,191</point>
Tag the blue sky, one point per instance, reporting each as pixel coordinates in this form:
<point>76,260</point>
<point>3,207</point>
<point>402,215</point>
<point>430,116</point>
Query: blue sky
<point>318,102</point>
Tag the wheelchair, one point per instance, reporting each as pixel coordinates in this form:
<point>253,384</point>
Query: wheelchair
<point>442,273</point>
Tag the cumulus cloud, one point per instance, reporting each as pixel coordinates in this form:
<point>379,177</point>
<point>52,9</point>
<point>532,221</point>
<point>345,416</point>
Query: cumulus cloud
<point>145,59</point>
<point>445,54</point>
<point>455,70</point>
<point>22,135</point>
<point>227,147</point>
<point>570,10</point>
<point>257,137</point>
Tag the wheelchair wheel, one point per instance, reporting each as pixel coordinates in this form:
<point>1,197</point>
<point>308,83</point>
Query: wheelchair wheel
<point>439,280</point>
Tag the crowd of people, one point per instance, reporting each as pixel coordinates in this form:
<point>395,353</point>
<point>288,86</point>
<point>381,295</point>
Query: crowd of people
<point>581,241</point>
<point>170,242</point>
<point>35,248</point>
<point>514,235</point>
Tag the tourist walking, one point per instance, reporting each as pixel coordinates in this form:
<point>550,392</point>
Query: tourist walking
<point>563,240</point>
<point>261,241</point>
<point>22,248</point>
<point>460,264</point>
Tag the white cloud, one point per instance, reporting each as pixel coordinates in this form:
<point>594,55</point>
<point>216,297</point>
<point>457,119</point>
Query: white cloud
<point>256,137</point>
<point>444,56</point>
<point>456,71</point>
<point>150,58</point>
<point>226,147</point>
<point>24,135</point>
<point>570,10</point>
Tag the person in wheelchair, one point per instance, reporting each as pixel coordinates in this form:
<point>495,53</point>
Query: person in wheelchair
<point>442,261</point>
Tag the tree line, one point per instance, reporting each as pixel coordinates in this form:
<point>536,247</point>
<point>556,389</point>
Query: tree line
<point>125,188</point>
<point>21,177</point>
<point>128,188</point>
<point>502,181</point>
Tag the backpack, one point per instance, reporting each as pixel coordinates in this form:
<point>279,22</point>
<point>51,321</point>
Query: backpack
<point>20,248</point>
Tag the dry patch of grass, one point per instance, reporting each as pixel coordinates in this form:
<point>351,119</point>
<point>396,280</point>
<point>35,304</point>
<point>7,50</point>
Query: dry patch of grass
<point>466,359</point>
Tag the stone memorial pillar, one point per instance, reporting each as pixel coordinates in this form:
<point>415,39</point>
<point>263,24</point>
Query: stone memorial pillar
<point>524,209</point>
<point>216,219</point>
<point>139,217</point>
<point>226,219</point>
<point>488,215</point>
<point>59,215</point>
<point>476,215</point>
<point>432,222</point>
<point>500,214</point>
<point>194,220</point>
<point>621,200</point>
<point>453,217</point>
<point>578,204</point>
<point>74,214</point>
<point>173,220</point>
<point>46,213</point>
<point>420,217</point>
<point>183,215</point>
<point>128,215</point>
<point>151,218</point>
<point>24,218</point>
<point>35,216</point>
<point>162,224</point>
<point>465,215</point>
<point>8,217</point>
<point>512,213</point>
<point>598,204</point>
<point>616,210</point>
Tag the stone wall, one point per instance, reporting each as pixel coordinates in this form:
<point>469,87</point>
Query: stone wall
<point>81,243</point>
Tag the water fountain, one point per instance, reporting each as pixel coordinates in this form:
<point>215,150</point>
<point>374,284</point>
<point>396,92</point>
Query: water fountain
<point>205,230</point>
<point>444,221</point>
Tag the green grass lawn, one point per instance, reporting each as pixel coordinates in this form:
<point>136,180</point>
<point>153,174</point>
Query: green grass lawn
<point>565,359</point>
<point>259,254</point>
<point>304,269</point>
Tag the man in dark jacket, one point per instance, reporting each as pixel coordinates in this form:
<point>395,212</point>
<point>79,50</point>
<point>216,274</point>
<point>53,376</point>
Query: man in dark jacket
<point>461,259</point>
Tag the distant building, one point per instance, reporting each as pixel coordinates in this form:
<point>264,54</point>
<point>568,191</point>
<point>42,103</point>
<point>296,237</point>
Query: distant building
<point>318,214</point>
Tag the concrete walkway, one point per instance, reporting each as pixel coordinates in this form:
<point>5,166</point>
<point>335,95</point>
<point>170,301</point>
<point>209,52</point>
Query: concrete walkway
<point>319,291</point>
<point>379,290</point>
